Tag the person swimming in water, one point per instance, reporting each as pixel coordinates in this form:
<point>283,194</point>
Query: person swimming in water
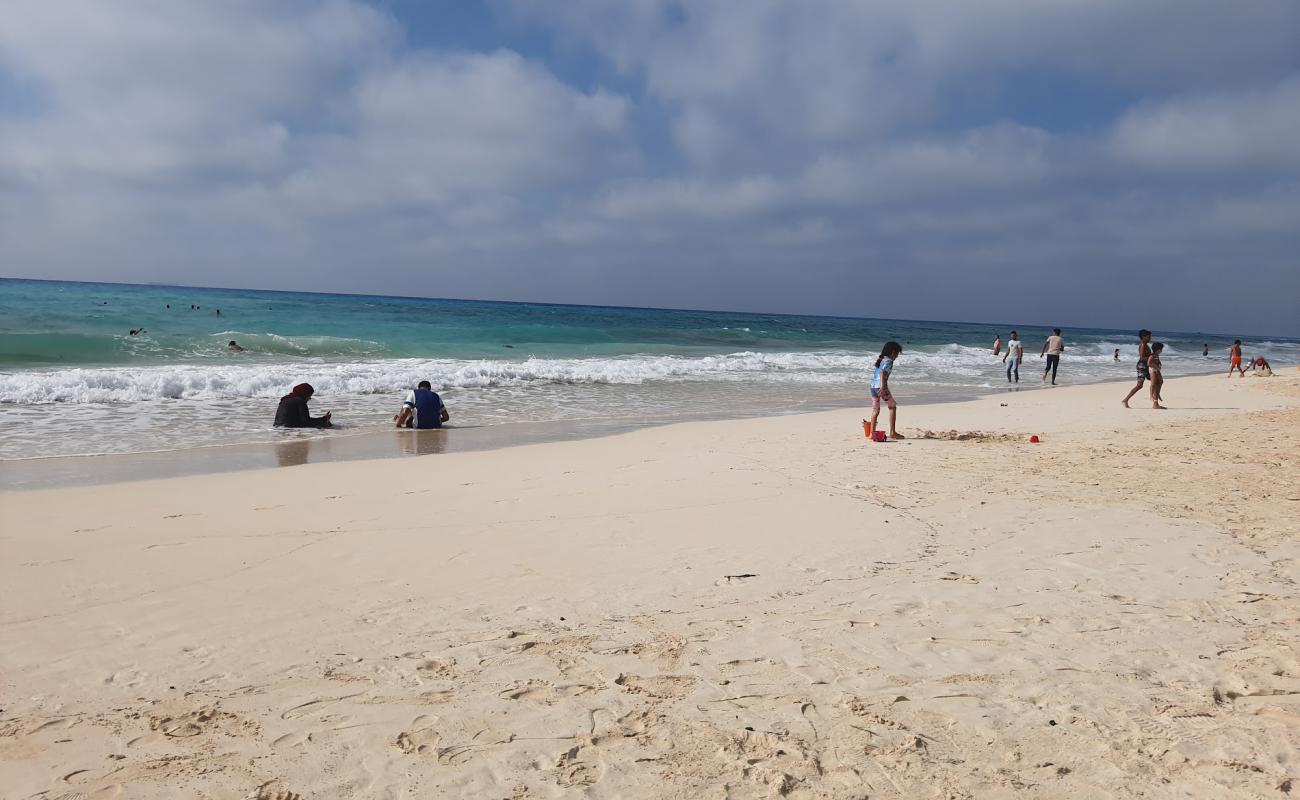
<point>234,346</point>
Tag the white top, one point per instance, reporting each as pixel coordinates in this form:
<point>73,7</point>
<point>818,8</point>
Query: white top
<point>1015,348</point>
<point>886,365</point>
<point>1055,345</point>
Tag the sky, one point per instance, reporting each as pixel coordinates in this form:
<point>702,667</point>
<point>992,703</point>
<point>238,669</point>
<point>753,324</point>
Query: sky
<point>1101,163</point>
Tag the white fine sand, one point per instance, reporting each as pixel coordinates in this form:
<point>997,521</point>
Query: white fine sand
<point>739,609</point>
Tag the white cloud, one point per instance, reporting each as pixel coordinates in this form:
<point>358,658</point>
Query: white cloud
<point>800,150</point>
<point>1244,130</point>
<point>158,91</point>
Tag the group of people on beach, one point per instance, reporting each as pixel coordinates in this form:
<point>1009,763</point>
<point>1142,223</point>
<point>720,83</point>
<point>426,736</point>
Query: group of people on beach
<point>422,409</point>
<point>1052,349</point>
<point>1150,369</point>
<point>1258,365</point>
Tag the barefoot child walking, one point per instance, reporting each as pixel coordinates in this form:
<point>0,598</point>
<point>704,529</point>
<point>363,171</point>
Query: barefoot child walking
<point>880,389</point>
<point>1235,362</point>
<point>1156,371</point>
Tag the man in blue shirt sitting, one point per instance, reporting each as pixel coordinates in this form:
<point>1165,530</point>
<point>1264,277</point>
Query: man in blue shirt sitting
<point>422,408</point>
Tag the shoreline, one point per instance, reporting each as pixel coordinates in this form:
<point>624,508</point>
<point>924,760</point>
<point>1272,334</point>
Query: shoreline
<point>296,449</point>
<point>684,610</point>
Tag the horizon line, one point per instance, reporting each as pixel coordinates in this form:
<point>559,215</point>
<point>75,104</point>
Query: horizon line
<point>157,285</point>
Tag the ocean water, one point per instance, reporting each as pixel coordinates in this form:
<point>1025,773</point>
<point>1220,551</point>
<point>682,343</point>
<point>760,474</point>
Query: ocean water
<point>73,381</point>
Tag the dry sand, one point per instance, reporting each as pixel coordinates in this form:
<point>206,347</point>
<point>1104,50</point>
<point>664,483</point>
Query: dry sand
<point>737,609</point>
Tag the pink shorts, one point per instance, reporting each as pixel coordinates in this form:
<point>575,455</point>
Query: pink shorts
<point>882,394</point>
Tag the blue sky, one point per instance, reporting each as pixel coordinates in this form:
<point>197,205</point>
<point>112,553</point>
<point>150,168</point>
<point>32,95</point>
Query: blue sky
<point>1083,162</point>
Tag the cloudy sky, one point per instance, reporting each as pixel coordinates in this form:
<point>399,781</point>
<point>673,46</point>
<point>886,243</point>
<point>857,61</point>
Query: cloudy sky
<point>1081,162</point>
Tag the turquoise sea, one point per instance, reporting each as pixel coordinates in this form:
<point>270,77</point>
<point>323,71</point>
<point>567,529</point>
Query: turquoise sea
<point>73,381</point>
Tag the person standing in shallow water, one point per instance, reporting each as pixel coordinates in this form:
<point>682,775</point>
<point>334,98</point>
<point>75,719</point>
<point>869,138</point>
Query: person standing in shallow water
<point>1015,352</point>
<point>1143,368</point>
<point>1052,348</point>
<point>293,412</point>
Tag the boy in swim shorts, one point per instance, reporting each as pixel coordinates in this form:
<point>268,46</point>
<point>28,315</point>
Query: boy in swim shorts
<point>1235,363</point>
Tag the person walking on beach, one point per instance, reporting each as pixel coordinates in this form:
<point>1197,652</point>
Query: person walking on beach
<point>880,389</point>
<point>1235,363</point>
<point>1144,353</point>
<point>422,409</point>
<point>1015,352</point>
<point>1156,371</point>
<point>293,411</point>
<point>1052,349</point>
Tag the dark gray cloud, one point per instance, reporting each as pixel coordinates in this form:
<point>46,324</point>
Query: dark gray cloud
<point>854,158</point>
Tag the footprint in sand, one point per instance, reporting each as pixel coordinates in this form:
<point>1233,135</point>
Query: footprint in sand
<point>579,766</point>
<point>420,739</point>
<point>313,706</point>
<point>57,724</point>
<point>292,739</point>
<point>437,668</point>
<point>544,691</point>
<point>455,755</point>
<point>274,790</point>
<point>126,677</point>
<point>664,687</point>
<point>197,722</point>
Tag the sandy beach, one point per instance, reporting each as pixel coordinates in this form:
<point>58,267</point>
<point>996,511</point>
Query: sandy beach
<point>731,609</point>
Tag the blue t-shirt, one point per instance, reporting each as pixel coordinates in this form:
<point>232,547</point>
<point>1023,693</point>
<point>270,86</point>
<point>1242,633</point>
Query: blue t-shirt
<point>427,408</point>
<point>886,364</point>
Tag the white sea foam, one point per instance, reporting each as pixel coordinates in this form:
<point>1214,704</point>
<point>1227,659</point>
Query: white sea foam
<point>954,364</point>
<point>133,409</point>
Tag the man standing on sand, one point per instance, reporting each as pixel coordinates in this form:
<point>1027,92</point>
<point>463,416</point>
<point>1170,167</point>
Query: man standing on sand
<point>1015,352</point>
<point>1052,349</point>
<point>1235,363</point>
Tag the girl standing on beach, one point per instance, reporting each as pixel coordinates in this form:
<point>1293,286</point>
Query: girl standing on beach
<point>1157,376</point>
<point>880,389</point>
